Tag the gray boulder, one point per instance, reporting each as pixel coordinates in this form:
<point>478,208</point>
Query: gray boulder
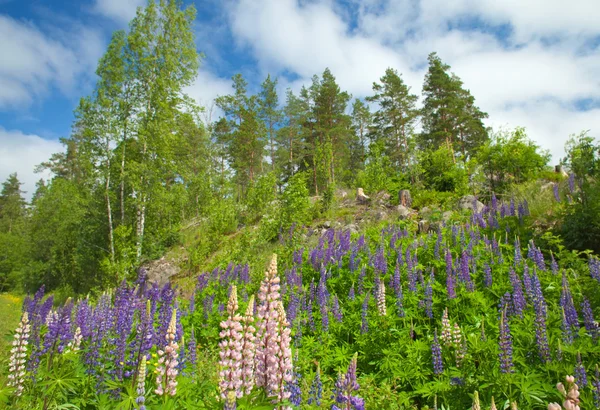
<point>403,212</point>
<point>471,203</point>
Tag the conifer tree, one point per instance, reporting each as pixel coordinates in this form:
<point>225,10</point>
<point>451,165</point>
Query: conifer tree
<point>449,113</point>
<point>270,114</point>
<point>395,118</point>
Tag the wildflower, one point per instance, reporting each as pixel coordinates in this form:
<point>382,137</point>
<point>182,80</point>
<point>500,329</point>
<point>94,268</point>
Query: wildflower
<point>476,404</point>
<point>446,335</point>
<point>493,404</point>
<point>571,396</point>
<point>273,351</point>
<point>141,384</point>
<point>436,354</point>
<point>74,344</point>
<point>231,349</point>
<point>580,374</point>
<point>364,328</point>
<point>380,295</point>
<point>316,389</point>
<point>588,319</point>
<point>167,361</point>
<point>506,359</point>
<point>596,388</point>
<point>230,401</point>
<point>18,353</point>
<point>345,386</point>
<point>248,348</point>
<point>487,279</point>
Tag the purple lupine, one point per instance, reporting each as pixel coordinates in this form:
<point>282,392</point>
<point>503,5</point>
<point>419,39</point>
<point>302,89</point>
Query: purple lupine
<point>487,275</point>
<point>556,193</point>
<point>553,265</point>
<point>588,319</point>
<point>570,316</point>
<point>192,354</point>
<point>594,265</point>
<point>519,303</point>
<point>465,274</point>
<point>596,388</point>
<point>580,373</point>
<point>527,283</point>
<point>450,285</point>
<point>141,385</point>
<point>324,318</point>
<point>316,389</point>
<point>505,343</point>
<point>294,390</point>
<point>345,387</point>
<point>336,309</point>
<point>361,281</point>
<point>436,355</point>
<point>400,301</point>
<point>571,182</point>
<point>351,293</point>
<point>428,302</point>
<point>541,334</point>
<point>379,263</point>
<point>364,328</point>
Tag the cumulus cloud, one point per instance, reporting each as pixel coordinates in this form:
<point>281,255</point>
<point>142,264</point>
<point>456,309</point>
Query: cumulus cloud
<point>20,153</point>
<point>522,69</point>
<point>35,62</point>
<point>205,89</point>
<point>119,10</point>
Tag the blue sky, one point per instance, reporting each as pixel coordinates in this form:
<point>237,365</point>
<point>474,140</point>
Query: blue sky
<point>531,63</point>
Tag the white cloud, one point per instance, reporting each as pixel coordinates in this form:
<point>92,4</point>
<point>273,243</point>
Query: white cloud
<point>520,79</point>
<point>119,10</point>
<point>37,62</point>
<point>20,153</point>
<point>206,88</point>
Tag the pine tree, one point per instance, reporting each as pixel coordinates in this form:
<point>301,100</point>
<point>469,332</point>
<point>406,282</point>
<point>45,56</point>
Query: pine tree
<point>361,123</point>
<point>449,113</point>
<point>12,204</point>
<point>270,114</point>
<point>290,142</point>
<point>395,118</point>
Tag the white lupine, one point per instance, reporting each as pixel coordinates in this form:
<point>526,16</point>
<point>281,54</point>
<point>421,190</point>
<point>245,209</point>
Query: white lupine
<point>18,355</point>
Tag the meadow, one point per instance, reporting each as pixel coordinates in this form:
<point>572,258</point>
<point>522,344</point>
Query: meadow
<point>471,314</point>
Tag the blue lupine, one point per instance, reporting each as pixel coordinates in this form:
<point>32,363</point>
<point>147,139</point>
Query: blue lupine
<point>436,355</point>
<point>487,275</point>
<point>364,328</point>
<point>519,303</point>
<point>580,373</point>
<point>316,389</point>
<point>588,320</point>
<point>506,357</point>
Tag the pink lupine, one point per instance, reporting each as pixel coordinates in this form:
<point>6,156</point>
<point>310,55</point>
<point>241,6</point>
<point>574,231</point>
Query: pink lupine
<point>74,344</point>
<point>231,349</point>
<point>18,353</point>
<point>248,348</point>
<point>166,371</point>
<point>571,396</point>
<point>273,354</point>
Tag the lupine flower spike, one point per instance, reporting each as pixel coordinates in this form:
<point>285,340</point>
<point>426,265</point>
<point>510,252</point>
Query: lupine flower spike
<point>493,405</point>
<point>248,348</point>
<point>231,349</point>
<point>476,404</point>
<point>18,353</point>
<point>141,384</point>
<point>166,375</point>
<point>571,396</point>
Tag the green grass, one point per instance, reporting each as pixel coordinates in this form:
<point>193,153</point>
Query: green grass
<point>10,314</point>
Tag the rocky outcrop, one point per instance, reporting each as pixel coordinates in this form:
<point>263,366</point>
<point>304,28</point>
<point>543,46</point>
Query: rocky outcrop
<point>469,202</point>
<point>404,198</point>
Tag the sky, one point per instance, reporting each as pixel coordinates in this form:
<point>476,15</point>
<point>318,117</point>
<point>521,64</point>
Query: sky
<point>528,63</point>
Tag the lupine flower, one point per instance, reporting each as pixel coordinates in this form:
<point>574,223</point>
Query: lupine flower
<point>487,278</point>
<point>553,264</point>
<point>571,396</point>
<point>580,373</point>
<point>459,344</point>
<point>493,404</point>
<point>446,335</point>
<point>436,355</point>
<point>428,302</point>
<point>345,386</point>
<point>231,349</point>
<point>18,353</point>
<point>364,328</point>
<point>594,265</point>
<point>230,401</point>
<point>336,309</point>
<point>141,384</point>
<point>74,344</point>
<point>351,294</point>
<point>556,193</point>
<point>541,335</point>
<point>381,307</point>
<point>248,348</point>
<point>588,319</point>
<point>506,357</point>
<point>519,303</point>
<point>293,388</point>
<point>571,182</point>
<point>596,388</point>
<point>316,389</point>
<point>166,382</point>
<point>450,285</point>
<point>273,352</point>
<point>476,403</point>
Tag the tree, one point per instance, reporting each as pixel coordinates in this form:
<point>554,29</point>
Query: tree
<point>12,204</point>
<point>449,113</point>
<point>511,157</point>
<point>395,118</point>
<point>269,113</point>
<point>291,148</point>
<point>361,121</point>
<point>332,129</point>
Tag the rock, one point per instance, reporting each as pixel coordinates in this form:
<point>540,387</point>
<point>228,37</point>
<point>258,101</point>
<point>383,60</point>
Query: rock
<point>342,194</point>
<point>403,212</point>
<point>446,216</point>
<point>361,198</point>
<point>471,203</point>
<point>547,186</point>
<point>425,211</point>
<point>423,226</point>
<point>404,198</point>
<point>381,215</point>
<point>327,224</point>
<point>352,228</point>
<point>160,271</point>
<point>382,198</point>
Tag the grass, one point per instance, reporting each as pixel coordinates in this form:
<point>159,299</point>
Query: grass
<point>10,314</point>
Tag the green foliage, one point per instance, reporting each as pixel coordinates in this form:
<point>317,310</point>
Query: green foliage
<point>295,204</point>
<point>510,157</point>
<point>260,195</point>
<point>441,171</point>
